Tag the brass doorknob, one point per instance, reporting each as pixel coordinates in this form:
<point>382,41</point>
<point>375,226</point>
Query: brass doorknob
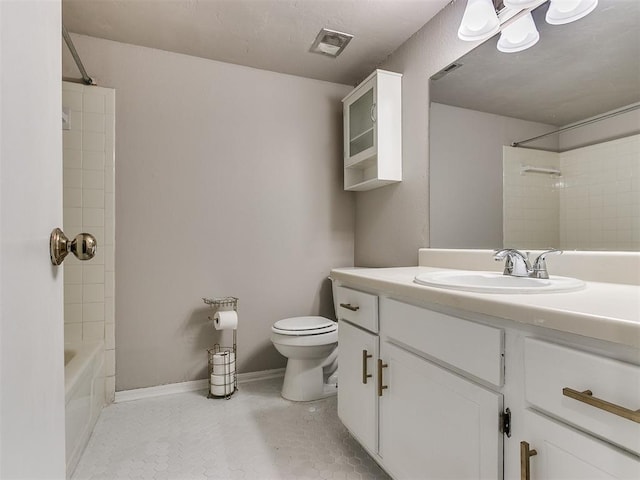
<point>83,246</point>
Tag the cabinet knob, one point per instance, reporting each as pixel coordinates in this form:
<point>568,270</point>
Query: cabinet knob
<point>525,455</point>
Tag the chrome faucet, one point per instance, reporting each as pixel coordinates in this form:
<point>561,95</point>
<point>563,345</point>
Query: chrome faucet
<point>517,264</point>
<point>540,265</point>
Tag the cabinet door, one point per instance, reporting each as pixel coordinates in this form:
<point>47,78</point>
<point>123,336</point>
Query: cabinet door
<point>360,123</point>
<point>563,453</point>
<point>435,424</point>
<point>357,400</point>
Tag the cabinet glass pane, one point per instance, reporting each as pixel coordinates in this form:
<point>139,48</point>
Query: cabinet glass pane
<point>361,143</point>
<point>361,124</point>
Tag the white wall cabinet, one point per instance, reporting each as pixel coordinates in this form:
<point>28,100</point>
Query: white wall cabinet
<point>372,115</point>
<point>430,411</point>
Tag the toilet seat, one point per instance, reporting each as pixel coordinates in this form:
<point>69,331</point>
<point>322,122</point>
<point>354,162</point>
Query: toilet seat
<point>302,326</point>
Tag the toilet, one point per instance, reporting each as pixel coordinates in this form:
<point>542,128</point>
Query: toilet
<point>311,347</point>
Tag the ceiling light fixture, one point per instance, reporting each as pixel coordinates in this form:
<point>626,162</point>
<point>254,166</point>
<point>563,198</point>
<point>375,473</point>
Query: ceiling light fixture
<point>521,4</point>
<point>519,36</point>
<point>330,42</point>
<point>480,20</point>
<point>567,11</point>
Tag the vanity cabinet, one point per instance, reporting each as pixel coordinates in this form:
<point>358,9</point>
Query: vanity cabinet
<point>563,453</point>
<point>372,115</point>
<point>401,393</point>
<point>424,390</point>
<point>357,396</point>
<point>358,356</point>
<point>435,424</point>
<point>436,420</point>
<point>588,427</point>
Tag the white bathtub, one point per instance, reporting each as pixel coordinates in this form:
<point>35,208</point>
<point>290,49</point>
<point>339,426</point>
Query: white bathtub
<point>84,396</point>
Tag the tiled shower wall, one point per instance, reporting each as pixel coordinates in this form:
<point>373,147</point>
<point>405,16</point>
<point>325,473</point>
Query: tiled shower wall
<point>89,202</point>
<point>598,197</point>
<point>530,200</point>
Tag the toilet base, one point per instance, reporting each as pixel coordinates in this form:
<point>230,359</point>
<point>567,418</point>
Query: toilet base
<point>304,381</point>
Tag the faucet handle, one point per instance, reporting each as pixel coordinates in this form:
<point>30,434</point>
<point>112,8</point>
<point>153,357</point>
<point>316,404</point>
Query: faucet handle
<point>540,265</point>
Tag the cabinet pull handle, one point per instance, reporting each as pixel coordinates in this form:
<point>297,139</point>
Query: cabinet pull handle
<point>373,112</point>
<point>588,398</point>
<point>525,454</point>
<point>380,386</point>
<point>365,375</point>
<point>348,306</point>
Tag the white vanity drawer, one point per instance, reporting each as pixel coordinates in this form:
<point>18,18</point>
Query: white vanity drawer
<point>472,347</point>
<point>359,308</point>
<point>556,377</point>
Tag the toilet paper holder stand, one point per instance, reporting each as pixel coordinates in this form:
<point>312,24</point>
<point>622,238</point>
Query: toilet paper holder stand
<point>228,366</point>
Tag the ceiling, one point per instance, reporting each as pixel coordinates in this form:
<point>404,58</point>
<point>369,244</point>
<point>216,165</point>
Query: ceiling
<point>267,34</point>
<point>575,71</point>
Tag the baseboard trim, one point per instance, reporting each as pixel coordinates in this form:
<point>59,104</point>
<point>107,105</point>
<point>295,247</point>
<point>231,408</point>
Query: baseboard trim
<point>191,386</point>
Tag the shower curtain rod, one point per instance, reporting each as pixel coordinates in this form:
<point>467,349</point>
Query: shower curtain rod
<point>85,77</point>
<point>580,124</point>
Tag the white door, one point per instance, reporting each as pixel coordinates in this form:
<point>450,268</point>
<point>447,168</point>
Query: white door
<point>435,424</point>
<point>357,400</point>
<point>31,289</point>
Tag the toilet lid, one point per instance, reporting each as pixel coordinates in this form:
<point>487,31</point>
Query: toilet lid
<point>304,326</point>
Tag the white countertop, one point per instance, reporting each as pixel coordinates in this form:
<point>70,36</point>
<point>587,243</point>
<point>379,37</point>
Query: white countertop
<point>606,311</point>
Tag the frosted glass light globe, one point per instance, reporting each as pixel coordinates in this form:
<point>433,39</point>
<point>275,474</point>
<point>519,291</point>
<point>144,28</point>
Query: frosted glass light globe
<point>479,21</point>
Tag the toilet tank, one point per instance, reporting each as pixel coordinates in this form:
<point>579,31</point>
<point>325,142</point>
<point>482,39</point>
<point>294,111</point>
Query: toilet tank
<point>334,290</point>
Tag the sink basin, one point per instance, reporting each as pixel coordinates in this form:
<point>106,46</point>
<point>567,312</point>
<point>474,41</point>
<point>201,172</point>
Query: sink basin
<point>494,282</point>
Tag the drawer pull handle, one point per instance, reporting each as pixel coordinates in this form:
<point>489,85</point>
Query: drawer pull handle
<point>381,387</point>
<point>588,398</point>
<point>348,306</point>
<point>365,375</point>
<point>525,455</point>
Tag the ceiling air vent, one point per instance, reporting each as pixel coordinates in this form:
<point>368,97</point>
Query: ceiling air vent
<point>331,43</point>
<point>446,70</point>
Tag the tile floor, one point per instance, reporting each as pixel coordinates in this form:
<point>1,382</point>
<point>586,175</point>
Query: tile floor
<point>254,435</point>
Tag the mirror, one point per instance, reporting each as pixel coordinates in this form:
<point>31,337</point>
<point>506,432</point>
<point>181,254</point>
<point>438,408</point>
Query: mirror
<point>577,189</point>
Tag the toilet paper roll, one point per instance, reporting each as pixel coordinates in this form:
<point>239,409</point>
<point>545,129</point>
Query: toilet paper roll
<point>222,384</point>
<point>222,390</point>
<point>223,363</point>
<point>225,320</point>
<point>228,369</point>
<point>221,358</point>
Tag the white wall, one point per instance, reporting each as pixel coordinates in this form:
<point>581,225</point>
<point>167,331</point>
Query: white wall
<point>620,126</point>
<point>465,185</point>
<point>229,182</point>
<point>31,333</point>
